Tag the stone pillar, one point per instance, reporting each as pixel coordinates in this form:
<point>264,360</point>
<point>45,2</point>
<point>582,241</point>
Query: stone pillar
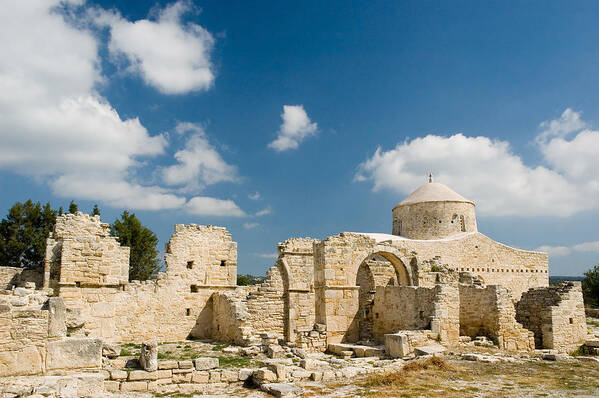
<point>148,358</point>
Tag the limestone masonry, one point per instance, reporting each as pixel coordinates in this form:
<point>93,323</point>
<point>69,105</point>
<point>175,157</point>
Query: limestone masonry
<point>434,279</point>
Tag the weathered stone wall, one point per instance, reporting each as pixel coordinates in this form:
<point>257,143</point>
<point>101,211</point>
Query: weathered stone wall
<point>266,305</point>
<point>489,311</point>
<point>556,316</point>
<point>174,306</point>
<point>495,263</point>
<point>433,220</point>
<point>204,255</point>
<point>12,276</point>
<point>230,323</point>
<point>80,251</point>
<point>33,338</point>
<point>417,308</point>
<point>296,261</point>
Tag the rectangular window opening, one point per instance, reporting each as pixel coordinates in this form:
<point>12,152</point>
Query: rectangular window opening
<point>223,263</point>
<point>188,312</point>
<point>194,288</point>
<point>189,264</point>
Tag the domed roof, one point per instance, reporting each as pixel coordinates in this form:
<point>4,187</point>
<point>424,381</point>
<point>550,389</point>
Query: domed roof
<point>433,192</point>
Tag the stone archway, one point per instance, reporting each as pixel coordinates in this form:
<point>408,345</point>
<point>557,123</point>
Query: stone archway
<point>376,270</point>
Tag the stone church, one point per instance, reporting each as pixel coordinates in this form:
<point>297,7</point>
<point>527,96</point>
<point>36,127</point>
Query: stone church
<point>435,278</point>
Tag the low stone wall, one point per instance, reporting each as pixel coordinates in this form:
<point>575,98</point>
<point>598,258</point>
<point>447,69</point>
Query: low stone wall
<point>555,314</point>
<point>489,311</point>
<point>33,336</point>
<point>417,308</point>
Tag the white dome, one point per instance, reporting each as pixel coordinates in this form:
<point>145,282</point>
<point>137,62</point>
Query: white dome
<point>433,192</point>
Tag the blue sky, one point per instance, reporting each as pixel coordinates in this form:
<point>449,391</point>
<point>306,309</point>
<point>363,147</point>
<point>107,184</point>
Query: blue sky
<point>284,119</point>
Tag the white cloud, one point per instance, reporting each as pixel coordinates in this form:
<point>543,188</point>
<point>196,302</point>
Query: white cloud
<point>207,206</point>
<point>587,247</point>
<point>296,127</point>
<point>263,212</point>
<point>199,163</point>
<point>488,172</point>
<point>560,251</point>
<point>116,192</point>
<point>250,225</point>
<point>170,55</point>
<point>554,251</point>
<point>268,255</point>
<point>53,123</point>
<point>254,196</point>
<point>55,126</point>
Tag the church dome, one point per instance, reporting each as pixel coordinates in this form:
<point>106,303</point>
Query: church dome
<point>433,192</point>
<point>433,211</point>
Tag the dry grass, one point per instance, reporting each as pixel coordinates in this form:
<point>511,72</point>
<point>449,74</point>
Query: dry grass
<point>436,377</point>
<point>399,378</point>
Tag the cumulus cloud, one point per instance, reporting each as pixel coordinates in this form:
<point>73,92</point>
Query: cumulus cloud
<point>296,127</point>
<point>207,206</point>
<point>268,255</point>
<point>560,251</point>
<point>263,212</point>
<point>199,163</point>
<point>254,196</point>
<point>55,125</point>
<point>488,172</point>
<point>250,225</point>
<point>170,55</point>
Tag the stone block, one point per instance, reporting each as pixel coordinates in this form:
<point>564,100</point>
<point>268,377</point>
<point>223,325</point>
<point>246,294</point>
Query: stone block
<point>215,376</point>
<point>185,364</point>
<point>74,353</point>
<point>110,350</point>
<point>398,345</point>
<point>168,365</point>
<point>134,386</point>
<point>264,375</point>
<point>229,376</point>
<point>282,389</point>
<point>57,326</point>
<point>111,385</point>
<point>429,350</point>
<point>136,375</point>
<point>182,377</point>
<point>206,363</point>
<point>275,351</point>
<point>118,375</point>
<point>200,377</point>
<point>245,374</point>
<point>28,361</point>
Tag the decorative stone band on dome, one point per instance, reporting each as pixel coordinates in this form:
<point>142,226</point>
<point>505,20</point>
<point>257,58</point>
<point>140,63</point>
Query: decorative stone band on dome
<point>433,192</point>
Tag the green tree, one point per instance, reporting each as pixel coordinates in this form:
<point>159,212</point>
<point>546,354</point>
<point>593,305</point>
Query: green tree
<point>73,208</point>
<point>243,280</point>
<point>96,211</point>
<point>23,234</point>
<point>143,261</point>
<point>590,286</point>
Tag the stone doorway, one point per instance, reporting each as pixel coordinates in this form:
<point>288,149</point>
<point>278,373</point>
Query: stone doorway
<point>375,271</point>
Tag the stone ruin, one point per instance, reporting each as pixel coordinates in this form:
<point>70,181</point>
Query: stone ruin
<point>435,280</point>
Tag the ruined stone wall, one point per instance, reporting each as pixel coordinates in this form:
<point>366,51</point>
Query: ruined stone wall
<point>33,338</point>
<point>80,251</point>
<point>12,276</point>
<point>203,254</point>
<point>296,258</point>
<point>433,220</point>
<point>231,322</point>
<point>495,263</point>
<point>176,305</point>
<point>265,306</point>
<point>556,316</point>
<point>417,308</point>
<point>489,311</point>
